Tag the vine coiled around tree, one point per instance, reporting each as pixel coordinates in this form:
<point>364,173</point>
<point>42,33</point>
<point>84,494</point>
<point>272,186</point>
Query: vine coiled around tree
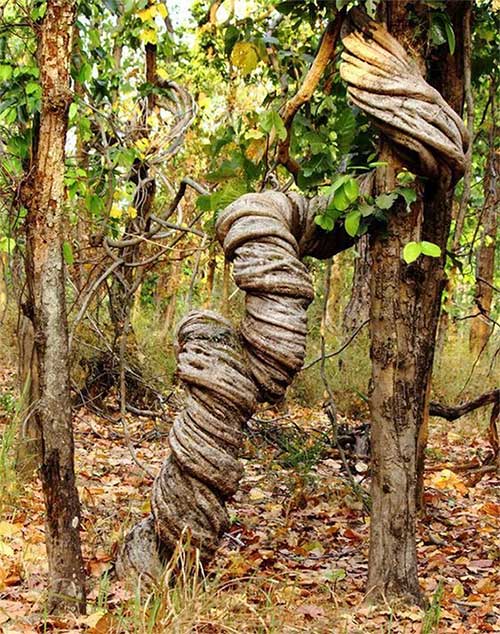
<point>227,372</point>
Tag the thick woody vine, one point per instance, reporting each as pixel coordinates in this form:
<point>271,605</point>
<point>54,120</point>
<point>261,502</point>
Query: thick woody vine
<point>226,372</point>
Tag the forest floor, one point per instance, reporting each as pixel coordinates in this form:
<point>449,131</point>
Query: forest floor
<point>295,558</point>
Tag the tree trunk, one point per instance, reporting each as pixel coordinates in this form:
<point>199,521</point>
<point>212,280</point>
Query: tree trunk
<point>481,327</point>
<point>357,310</point>
<point>405,302</point>
<point>446,74</point>
<point>395,402</point>
<point>45,275</point>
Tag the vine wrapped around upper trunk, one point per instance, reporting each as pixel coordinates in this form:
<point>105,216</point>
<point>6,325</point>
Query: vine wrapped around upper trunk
<point>227,372</point>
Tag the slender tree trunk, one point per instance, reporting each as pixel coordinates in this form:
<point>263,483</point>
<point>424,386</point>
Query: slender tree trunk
<point>481,327</point>
<point>446,74</point>
<point>45,275</point>
<point>395,402</point>
<point>211,266</point>
<point>357,310</point>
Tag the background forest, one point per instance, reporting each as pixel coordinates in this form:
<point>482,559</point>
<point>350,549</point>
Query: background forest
<point>168,113</point>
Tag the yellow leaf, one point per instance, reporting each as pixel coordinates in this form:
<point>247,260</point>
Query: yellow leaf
<point>115,212</point>
<point>151,12</point>
<point>93,619</point>
<point>8,530</point>
<point>162,73</point>
<point>486,586</point>
<point>458,590</point>
<point>6,550</point>
<point>162,10</point>
<point>256,150</point>
<point>257,494</point>
<point>244,56</point>
<point>152,120</point>
<point>146,14</point>
<point>447,479</point>
<point>203,100</point>
<point>142,144</point>
<point>132,212</point>
<point>148,36</point>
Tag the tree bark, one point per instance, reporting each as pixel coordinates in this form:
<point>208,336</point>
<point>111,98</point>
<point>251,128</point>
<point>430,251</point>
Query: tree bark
<point>481,327</point>
<point>405,302</point>
<point>395,403</point>
<point>47,308</point>
<point>446,74</point>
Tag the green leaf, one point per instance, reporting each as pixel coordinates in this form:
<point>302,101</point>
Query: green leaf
<point>272,121</point>
<point>38,12</point>
<point>385,201</point>
<point>335,575</point>
<point>5,72</point>
<point>340,200</point>
<point>430,249</point>
<point>32,87</point>
<point>7,244</point>
<point>204,202</point>
<point>405,177</point>
<point>324,221</point>
<point>366,209</point>
<point>85,73</point>
<point>352,221</point>
<point>336,184</point>
<point>231,36</point>
<point>67,250</point>
<point>437,32</point>
<point>450,35</point>
<point>409,194</point>
<point>232,190</point>
<point>95,204</point>
<point>351,189</point>
<point>411,252</point>
<point>73,110</point>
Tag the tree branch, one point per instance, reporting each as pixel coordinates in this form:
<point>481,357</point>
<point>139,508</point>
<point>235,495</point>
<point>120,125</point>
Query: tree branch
<point>325,54</point>
<point>452,413</point>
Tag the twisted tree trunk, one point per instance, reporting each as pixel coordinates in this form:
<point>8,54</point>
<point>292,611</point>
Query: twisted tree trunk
<point>226,372</point>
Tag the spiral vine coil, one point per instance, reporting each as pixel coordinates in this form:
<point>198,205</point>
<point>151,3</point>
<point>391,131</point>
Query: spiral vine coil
<point>226,372</point>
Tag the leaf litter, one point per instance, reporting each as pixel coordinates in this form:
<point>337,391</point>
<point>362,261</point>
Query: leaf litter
<point>295,556</point>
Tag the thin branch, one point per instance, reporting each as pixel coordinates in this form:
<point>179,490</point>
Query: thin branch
<point>90,294</point>
<point>328,355</point>
<point>464,200</point>
<point>330,407</point>
<point>325,53</point>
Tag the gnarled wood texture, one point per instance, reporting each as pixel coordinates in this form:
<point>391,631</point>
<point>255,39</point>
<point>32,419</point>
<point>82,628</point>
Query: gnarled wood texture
<point>227,372</point>
<point>386,84</point>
